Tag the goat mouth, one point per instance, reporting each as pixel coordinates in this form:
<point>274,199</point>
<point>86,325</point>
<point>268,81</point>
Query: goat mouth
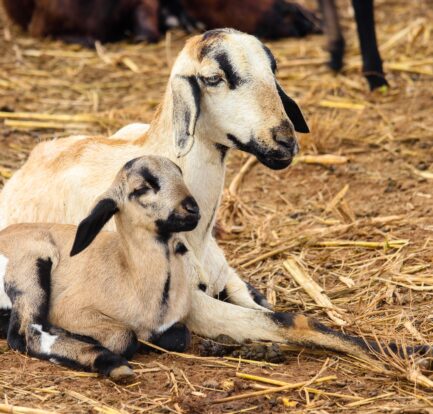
<point>275,159</point>
<point>275,163</point>
<point>176,223</point>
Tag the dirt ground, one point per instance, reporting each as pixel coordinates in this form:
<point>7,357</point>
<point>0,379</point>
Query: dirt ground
<point>320,216</point>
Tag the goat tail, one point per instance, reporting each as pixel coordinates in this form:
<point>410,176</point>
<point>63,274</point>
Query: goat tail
<point>20,11</point>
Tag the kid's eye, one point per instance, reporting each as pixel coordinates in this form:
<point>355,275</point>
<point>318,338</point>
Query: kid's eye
<point>140,191</point>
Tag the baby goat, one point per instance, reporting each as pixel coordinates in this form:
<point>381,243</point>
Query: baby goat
<point>87,311</point>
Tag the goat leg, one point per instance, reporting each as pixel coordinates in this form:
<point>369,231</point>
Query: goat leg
<point>371,60</point>
<point>74,351</point>
<point>336,44</point>
<point>211,318</point>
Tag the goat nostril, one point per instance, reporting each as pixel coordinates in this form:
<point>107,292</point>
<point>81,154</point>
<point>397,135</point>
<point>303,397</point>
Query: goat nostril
<point>190,205</point>
<point>289,143</point>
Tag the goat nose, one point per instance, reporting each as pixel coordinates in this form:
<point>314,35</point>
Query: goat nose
<point>288,142</point>
<point>190,205</point>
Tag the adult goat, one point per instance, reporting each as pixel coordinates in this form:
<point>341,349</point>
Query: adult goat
<point>222,94</point>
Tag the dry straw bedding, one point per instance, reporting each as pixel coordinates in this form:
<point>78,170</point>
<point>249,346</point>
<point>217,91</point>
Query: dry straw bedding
<point>354,232</point>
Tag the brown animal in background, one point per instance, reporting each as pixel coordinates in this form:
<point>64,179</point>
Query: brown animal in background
<point>85,21</point>
<point>364,17</point>
<point>272,19</point>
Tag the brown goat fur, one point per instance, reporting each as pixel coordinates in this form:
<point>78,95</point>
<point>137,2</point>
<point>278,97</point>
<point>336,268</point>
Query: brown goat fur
<point>87,311</point>
<point>272,19</point>
<point>87,21</point>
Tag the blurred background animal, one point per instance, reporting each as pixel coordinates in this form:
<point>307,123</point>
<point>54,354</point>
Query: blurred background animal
<point>85,22</point>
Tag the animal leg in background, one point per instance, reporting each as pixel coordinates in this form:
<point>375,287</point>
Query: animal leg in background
<point>336,44</point>
<point>371,60</point>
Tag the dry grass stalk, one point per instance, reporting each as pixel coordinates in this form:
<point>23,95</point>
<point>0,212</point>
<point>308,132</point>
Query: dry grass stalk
<point>322,159</point>
<point>385,134</point>
<point>271,390</point>
<point>14,409</point>
<point>314,290</point>
<point>237,180</point>
<point>389,244</point>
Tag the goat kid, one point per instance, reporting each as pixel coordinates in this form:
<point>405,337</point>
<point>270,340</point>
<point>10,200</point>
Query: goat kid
<point>87,311</point>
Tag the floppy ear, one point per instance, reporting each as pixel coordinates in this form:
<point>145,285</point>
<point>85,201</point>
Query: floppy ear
<point>93,223</point>
<point>186,109</point>
<point>293,111</point>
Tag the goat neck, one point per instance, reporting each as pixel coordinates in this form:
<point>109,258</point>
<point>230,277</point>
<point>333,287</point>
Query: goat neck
<point>138,245</point>
<point>203,167</point>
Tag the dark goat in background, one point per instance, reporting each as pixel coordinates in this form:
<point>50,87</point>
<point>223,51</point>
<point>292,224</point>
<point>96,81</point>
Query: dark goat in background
<point>84,21</point>
<point>271,19</point>
<point>364,17</point>
<point>274,19</point>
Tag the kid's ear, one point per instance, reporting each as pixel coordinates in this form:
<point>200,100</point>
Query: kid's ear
<point>93,224</point>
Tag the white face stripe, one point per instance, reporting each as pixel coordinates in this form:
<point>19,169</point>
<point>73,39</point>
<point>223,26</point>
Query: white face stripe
<point>47,340</point>
<point>5,302</point>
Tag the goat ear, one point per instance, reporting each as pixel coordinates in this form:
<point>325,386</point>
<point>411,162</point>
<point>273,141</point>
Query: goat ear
<point>93,223</point>
<point>293,111</point>
<point>186,109</point>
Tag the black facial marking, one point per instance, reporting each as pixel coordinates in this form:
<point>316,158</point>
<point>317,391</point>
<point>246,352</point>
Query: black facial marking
<point>272,158</point>
<point>151,179</point>
<point>93,224</point>
<point>166,291</point>
<point>222,296</point>
<point>180,248</point>
<point>271,58</point>
<point>138,193</point>
<point>233,79</point>
<point>202,286</point>
<point>222,149</point>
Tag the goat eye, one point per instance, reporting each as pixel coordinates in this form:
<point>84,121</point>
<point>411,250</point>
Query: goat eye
<point>140,191</point>
<point>212,80</point>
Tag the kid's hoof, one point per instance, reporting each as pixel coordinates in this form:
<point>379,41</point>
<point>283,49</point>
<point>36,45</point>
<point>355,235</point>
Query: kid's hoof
<point>121,373</point>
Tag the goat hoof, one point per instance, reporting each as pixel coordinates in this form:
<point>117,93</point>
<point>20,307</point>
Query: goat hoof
<point>121,373</point>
